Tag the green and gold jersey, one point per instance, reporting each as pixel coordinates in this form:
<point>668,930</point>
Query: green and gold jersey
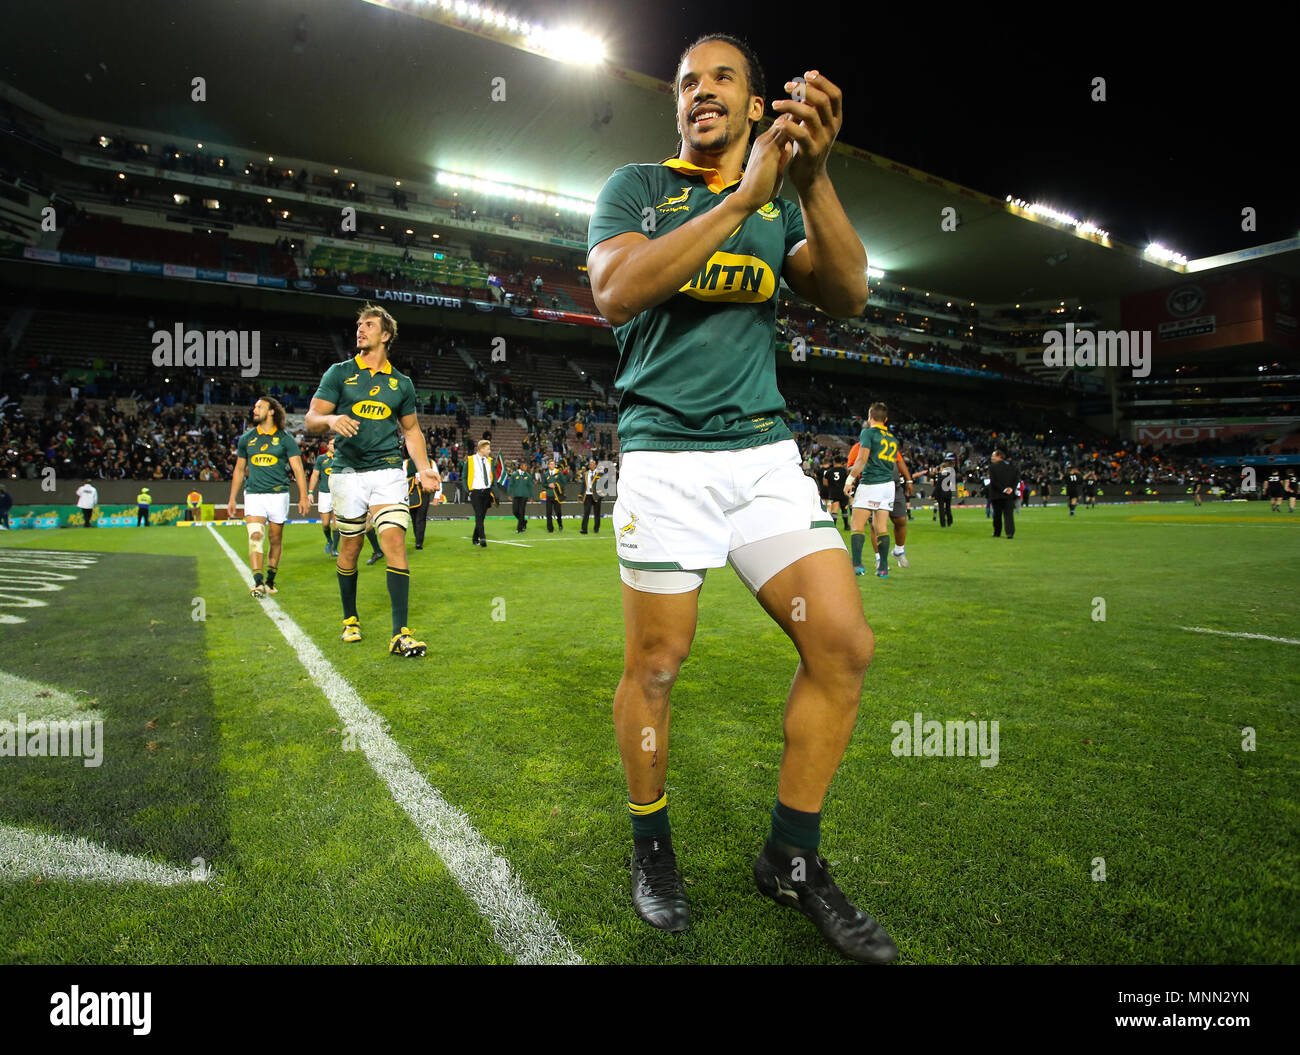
<point>325,466</point>
<point>378,401</point>
<point>267,454</point>
<point>698,372</point>
<point>882,454</point>
<point>521,484</point>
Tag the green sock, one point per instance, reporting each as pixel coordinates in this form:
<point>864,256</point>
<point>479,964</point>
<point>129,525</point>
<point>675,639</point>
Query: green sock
<point>270,576</point>
<point>399,592</point>
<point>335,539</point>
<point>649,818</point>
<point>882,548</point>
<point>257,578</point>
<point>794,830</point>
<point>348,591</point>
<point>373,539</point>
<point>325,528</point>
<point>859,540</point>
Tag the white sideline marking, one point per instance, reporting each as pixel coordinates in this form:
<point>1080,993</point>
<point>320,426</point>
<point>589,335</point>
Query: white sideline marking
<point>520,925</point>
<point>30,854</point>
<point>1226,633</point>
<point>502,542</point>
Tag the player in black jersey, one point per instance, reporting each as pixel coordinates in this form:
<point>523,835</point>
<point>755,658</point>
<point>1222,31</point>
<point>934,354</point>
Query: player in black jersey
<point>1199,484</point>
<point>1090,490</point>
<point>1044,485</point>
<point>833,478</point>
<point>1072,482</point>
<point>1292,488</point>
<point>1275,491</point>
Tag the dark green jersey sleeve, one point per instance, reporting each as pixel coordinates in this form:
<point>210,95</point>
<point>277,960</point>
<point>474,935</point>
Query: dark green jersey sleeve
<point>241,449</point>
<point>619,206</point>
<point>290,446</point>
<point>329,387</point>
<point>407,404</point>
<point>794,230</point>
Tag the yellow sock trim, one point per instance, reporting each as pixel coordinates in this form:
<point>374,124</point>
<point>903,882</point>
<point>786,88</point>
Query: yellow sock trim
<point>638,809</point>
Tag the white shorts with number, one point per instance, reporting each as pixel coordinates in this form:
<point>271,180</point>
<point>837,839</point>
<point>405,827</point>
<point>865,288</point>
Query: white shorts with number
<point>354,493</point>
<point>681,512</point>
<point>325,501</point>
<point>274,508</point>
<point>874,496</point>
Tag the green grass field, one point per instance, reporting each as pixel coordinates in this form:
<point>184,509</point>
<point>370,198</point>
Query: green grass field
<point>1119,739</point>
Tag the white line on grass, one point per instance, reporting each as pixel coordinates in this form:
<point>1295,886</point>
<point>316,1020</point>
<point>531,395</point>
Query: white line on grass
<point>29,854</point>
<point>503,542</point>
<point>520,925</point>
<point>1226,633</point>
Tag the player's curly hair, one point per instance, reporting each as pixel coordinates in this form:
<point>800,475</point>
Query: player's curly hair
<point>277,411</point>
<point>386,322</point>
<point>753,70</point>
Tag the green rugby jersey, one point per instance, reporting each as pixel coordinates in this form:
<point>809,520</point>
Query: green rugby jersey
<point>882,454</point>
<point>377,401</point>
<point>698,372</point>
<point>325,465</point>
<point>267,455</point>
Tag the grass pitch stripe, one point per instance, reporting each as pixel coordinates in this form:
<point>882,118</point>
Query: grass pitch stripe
<point>520,925</point>
<point>1228,633</point>
<point>31,854</point>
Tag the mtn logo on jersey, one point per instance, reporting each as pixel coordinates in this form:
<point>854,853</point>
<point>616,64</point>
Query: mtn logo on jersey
<point>372,409</point>
<point>264,459</point>
<point>740,279</point>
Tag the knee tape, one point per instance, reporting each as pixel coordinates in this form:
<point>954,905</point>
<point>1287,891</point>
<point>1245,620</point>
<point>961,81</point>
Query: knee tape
<point>392,516</point>
<point>349,527</point>
<point>255,536</point>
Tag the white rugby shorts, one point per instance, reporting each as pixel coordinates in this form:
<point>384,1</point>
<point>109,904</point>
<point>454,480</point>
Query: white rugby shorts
<point>874,496</point>
<point>354,493</point>
<point>275,508</point>
<point>680,513</point>
<point>324,501</point>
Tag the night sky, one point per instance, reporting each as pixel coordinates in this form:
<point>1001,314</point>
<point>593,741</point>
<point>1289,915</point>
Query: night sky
<point>1199,120</point>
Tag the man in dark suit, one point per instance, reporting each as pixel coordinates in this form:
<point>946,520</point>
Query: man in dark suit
<point>1002,494</point>
<point>478,476</point>
<point>590,496</point>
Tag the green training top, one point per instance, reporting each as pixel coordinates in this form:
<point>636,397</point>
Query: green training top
<point>698,372</point>
<point>325,465</point>
<point>267,454</point>
<point>377,401</point>
<point>882,452</point>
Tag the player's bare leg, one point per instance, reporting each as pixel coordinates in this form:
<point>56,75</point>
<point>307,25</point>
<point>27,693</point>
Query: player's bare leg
<point>256,535</point>
<point>658,631</point>
<point>275,534</point>
<point>900,539</point>
<point>835,646</point>
<point>816,602</point>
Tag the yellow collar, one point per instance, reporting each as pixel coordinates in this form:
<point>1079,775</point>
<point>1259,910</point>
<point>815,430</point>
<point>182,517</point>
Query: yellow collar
<point>711,178</point>
<point>266,432</point>
<point>387,368</point>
